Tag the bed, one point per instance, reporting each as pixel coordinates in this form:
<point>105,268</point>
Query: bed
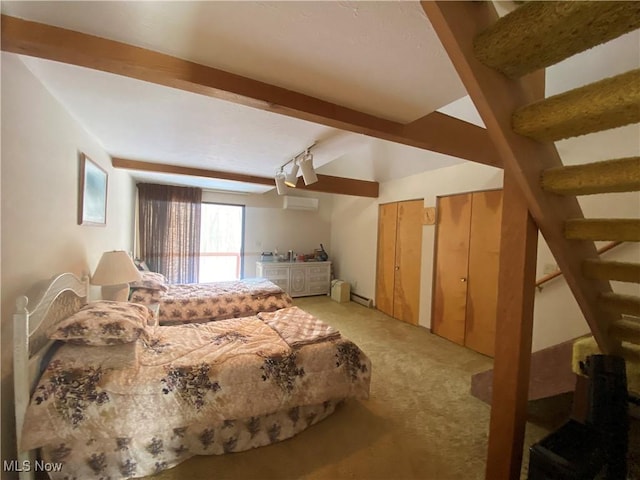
<point>219,387</point>
<point>205,302</point>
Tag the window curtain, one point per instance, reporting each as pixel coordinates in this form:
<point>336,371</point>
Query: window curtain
<point>169,230</point>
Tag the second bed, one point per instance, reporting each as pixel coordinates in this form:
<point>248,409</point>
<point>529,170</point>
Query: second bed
<point>205,302</point>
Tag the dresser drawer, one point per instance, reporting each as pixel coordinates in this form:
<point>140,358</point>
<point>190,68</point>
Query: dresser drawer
<point>322,270</point>
<point>319,278</point>
<point>276,272</point>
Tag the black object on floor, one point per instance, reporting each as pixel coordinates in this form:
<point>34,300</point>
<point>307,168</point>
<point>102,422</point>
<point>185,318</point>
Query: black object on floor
<point>597,448</point>
<point>573,452</point>
<point>609,410</point>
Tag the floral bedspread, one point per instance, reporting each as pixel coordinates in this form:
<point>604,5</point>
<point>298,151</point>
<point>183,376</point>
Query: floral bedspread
<point>204,302</point>
<point>191,389</point>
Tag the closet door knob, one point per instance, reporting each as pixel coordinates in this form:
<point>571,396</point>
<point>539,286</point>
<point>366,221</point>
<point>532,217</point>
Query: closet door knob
<point>397,267</point>
<point>463,279</point>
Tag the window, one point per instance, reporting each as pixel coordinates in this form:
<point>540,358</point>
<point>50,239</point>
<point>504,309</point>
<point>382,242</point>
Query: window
<point>221,242</point>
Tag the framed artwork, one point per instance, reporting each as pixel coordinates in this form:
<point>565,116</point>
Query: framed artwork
<point>92,201</point>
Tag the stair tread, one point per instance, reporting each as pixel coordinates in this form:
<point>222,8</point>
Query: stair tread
<point>616,175</point>
<point>614,229</point>
<point>620,303</point>
<point>609,103</point>
<point>611,270</point>
<point>540,34</point>
<point>620,296</point>
<point>627,324</point>
<point>626,330</point>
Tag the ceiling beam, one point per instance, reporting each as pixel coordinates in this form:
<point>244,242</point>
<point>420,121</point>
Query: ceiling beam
<point>325,183</point>
<point>345,186</point>
<point>439,133</point>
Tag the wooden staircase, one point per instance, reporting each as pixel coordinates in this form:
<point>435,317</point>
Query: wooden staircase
<point>497,60</point>
<point>609,103</point>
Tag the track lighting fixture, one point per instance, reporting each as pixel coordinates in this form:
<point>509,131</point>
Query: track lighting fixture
<point>302,161</point>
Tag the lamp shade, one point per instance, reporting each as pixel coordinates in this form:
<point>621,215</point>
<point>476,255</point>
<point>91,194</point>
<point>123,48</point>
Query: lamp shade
<point>291,179</point>
<point>308,172</point>
<point>280,185</point>
<point>115,268</point>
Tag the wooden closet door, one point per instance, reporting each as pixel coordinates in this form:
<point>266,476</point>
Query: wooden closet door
<point>385,268</point>
<point>484,256</point>
<point>451,267</point>
<point>408,261</point>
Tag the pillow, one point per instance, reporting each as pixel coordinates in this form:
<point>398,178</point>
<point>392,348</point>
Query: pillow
<point>151,281</point>
<point>104,323</point>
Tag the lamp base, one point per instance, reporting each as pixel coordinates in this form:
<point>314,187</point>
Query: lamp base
<point>117,293</point>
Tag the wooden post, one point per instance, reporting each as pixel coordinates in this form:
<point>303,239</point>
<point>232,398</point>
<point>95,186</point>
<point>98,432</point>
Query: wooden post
<point>514,327</point>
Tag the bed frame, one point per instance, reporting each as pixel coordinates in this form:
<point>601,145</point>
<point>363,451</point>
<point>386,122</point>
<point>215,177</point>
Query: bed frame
<point>62,296</point>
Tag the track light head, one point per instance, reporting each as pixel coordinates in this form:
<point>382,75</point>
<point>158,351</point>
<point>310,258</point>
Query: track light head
<point>281,187</point>
<point>308,172</point>
<point>291,179</point>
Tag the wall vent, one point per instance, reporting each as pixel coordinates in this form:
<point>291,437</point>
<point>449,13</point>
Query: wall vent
<point>300,203</point>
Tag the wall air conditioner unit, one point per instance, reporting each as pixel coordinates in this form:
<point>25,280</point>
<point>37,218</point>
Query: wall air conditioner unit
<point>300,203</point>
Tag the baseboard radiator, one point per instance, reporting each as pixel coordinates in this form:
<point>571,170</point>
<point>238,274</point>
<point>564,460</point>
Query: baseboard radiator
<point>367,302</point>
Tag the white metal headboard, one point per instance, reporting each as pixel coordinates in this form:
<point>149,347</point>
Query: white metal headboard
<point>63,296</point>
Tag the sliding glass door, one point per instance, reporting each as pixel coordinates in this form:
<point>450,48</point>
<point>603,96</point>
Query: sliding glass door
<point>221,242</point>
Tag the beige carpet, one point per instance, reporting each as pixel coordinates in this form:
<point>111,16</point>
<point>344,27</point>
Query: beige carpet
<point>420,423</point>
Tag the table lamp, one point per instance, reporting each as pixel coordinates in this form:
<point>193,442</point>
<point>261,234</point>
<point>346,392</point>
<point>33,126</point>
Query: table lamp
<point>114,272</point>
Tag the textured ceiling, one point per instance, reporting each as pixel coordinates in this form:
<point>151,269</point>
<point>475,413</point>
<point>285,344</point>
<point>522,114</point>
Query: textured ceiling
<point>381,58</point>
<point>133,118</point>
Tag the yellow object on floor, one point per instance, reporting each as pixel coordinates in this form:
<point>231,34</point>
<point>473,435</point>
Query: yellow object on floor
<point>340,291</point>
<point>586,346</point>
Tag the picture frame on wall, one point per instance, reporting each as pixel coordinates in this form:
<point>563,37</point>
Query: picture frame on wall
<point>92,201</point>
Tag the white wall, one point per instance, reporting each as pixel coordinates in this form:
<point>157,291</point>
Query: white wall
<point>269,227</point>
<point>40,234</point>
<point>354,224</point>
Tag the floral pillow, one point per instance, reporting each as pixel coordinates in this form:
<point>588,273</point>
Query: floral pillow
<point>104,323</point>
<point>151,281</point>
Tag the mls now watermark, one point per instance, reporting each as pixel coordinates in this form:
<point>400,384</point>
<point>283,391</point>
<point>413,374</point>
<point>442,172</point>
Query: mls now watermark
<point>29,466</point>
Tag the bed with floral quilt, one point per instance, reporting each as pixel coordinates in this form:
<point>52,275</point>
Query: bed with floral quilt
<point>121,399</point>
<point>205,302</point>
